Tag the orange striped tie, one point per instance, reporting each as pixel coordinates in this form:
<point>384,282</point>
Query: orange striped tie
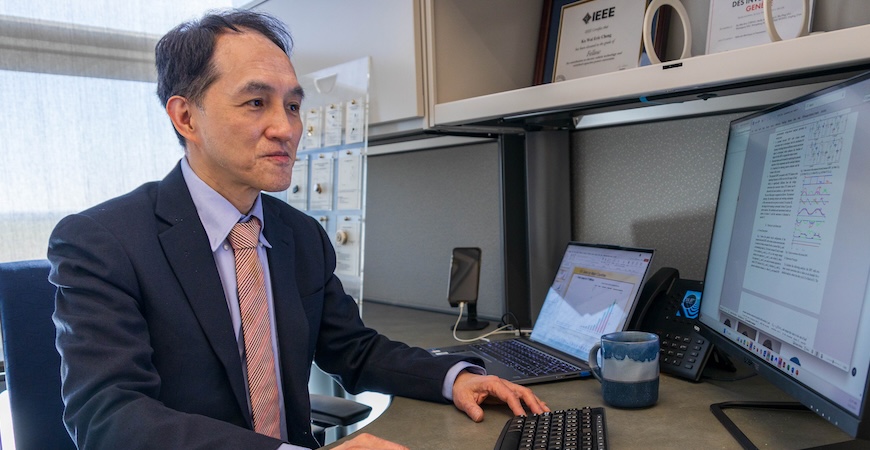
<point>256,329</point>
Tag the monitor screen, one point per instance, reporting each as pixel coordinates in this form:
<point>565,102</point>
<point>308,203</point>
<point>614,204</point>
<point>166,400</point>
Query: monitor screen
<point>786,285</point>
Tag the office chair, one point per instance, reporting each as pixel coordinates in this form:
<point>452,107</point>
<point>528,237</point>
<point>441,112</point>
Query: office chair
<point>33,364</point>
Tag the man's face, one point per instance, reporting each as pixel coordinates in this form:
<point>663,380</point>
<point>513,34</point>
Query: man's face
<point>244,135</point>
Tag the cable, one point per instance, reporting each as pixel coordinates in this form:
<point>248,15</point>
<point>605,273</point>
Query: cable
<point>509,318</point>
<point>499,330</point>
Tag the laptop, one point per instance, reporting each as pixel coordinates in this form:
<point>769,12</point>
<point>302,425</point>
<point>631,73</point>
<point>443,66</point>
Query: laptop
<point>593,293</point>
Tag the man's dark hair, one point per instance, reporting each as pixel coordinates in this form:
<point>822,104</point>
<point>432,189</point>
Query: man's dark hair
<point>184,55</point>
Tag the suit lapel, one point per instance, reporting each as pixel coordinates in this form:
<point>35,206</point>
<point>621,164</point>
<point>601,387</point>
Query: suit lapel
<point>186,247</point>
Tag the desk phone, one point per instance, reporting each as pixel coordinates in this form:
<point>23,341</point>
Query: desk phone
<point>669,306</point>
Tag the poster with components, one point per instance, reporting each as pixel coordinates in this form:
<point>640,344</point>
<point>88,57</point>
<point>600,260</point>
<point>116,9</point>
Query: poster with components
<point>347,249</point>
<point>312,120</point>
<point>321,181</point>
<point>355,129</point>
<point>333,159</point>
<point>297,195</point>
<point>332,125</point>
<point>350,179</point>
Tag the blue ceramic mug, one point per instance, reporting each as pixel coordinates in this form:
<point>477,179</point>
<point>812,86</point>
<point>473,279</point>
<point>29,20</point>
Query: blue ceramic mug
<point>629,370</point>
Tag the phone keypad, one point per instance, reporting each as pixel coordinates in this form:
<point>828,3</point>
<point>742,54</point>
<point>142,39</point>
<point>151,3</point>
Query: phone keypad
<point>680,350</point>
<point>683,354</point>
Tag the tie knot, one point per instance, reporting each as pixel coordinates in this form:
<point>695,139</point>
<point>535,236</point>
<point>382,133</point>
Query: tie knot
<point>245,234</point>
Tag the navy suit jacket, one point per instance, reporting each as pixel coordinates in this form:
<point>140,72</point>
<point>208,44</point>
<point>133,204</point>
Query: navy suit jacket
<point>149,358</point>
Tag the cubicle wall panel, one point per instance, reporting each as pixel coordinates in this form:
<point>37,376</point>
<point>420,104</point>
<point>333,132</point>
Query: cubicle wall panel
<point>652,185</point>
<point>420,206</point>
<point>329,33</point>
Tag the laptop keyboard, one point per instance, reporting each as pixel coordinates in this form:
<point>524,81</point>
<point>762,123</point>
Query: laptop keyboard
<point>524,358</point>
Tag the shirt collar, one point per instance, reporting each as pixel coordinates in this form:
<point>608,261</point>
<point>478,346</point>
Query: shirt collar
<point>217,214</point>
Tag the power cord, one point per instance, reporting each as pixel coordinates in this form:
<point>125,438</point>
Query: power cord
<point>510,319</point>
<point>505,329</point>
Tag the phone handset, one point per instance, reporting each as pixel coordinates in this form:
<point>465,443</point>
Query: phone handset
<point>656,287</point>
<point>668,306</point>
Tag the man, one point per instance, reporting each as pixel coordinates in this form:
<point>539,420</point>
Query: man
<point>151,320</point>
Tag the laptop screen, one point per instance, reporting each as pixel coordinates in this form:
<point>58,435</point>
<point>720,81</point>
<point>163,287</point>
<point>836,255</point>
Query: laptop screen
<point>594,293</point>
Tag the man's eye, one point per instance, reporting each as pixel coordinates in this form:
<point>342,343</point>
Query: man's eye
<point>294,107</point>
<point>256,102</point>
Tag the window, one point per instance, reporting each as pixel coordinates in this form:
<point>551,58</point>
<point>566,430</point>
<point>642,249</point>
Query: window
<point>81,122</point>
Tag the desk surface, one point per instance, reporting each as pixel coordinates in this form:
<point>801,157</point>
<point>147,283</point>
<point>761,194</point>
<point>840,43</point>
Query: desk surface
<point>681,419</point>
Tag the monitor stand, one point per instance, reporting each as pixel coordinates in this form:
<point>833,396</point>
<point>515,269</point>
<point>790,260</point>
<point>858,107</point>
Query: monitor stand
<point>718,410</point>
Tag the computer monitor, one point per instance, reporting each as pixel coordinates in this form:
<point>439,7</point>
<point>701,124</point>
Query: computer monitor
<point>786,284</point>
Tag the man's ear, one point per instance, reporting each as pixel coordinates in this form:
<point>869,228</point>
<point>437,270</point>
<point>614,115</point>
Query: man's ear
<point>179,110</point>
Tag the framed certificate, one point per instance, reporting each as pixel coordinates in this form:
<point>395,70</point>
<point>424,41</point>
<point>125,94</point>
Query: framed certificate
<point>588,37</point>
<point>740,23</point>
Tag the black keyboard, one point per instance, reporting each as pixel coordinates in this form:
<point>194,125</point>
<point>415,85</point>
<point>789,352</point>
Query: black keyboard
<point>570,429</point>
<point>524,358</point>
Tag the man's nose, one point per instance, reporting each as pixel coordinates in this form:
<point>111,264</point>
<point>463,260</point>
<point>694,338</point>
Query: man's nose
<point>283,124</point>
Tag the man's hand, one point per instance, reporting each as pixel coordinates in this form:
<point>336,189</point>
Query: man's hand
<point>365,441</point>
<point>470,390</point>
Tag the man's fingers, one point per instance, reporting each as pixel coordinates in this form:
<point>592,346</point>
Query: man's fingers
<point>472,390</point>
<point>473,411</point>
<point>509,394</point>
<point>366,441</point>
<point>535,404</point>
<point>515,396</point>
